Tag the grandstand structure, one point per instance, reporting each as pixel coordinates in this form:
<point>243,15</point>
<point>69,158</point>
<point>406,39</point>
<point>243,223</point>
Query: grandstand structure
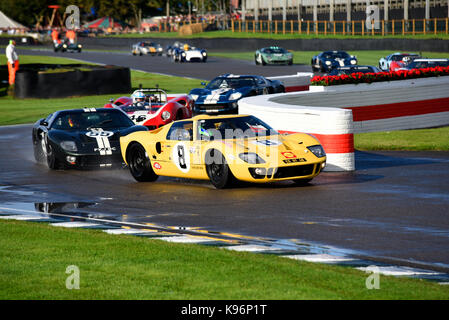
<point>342,10</point>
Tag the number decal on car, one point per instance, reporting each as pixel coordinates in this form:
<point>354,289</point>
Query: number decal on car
<point>181,157</point>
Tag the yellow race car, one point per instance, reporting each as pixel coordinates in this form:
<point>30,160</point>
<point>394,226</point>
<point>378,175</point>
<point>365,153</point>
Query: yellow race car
<point>222,149</point>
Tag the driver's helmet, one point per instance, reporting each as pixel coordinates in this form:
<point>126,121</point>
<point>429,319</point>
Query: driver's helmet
<point>186,47</point>
<point>152,98</point>
<point>407,59</point>
<point>138,97</point>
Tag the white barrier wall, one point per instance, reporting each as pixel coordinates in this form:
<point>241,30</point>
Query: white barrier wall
<point>333,114</point>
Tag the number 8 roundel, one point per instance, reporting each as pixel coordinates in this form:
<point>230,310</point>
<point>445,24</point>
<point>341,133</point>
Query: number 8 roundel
<point>181,157</point>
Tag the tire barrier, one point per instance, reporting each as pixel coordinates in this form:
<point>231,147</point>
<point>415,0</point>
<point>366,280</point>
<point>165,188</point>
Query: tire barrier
<point>37,81</point>
<point>333,114</point>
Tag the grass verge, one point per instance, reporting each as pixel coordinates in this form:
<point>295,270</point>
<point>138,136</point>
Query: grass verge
<point>435,139</point>
<point>35,257</point>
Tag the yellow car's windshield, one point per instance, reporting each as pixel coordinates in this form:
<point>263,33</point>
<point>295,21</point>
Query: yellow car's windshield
<point>233,128</point>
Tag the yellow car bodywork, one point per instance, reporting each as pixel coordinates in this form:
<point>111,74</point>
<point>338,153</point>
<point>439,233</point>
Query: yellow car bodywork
<point>285,157</point>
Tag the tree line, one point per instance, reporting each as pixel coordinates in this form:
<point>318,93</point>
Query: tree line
<point>32,13</point>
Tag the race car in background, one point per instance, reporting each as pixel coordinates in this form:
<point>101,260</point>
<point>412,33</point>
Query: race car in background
<point>153,108</point>
<point>67,46</point>
<point>141,48</point>
<point>222,149</point>
<point>169,49</point>
<point>427,63</point>
<point>222,94</point>
<point>398,60</point>
<point>353,69</point>
<point>186,53</point>
<point>273,55</point>
<point>328,60</point>
<point>81,138</point>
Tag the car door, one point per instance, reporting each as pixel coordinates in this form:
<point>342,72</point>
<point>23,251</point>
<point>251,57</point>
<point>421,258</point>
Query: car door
<point>177,159</point>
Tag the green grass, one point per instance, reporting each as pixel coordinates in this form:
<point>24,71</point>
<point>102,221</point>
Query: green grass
<point>19,111</point>
<point>35,257</point>
<point>436,139</point>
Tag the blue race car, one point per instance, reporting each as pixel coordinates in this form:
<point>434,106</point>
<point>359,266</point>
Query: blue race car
<point>222,94</point>
<point>328,60</point>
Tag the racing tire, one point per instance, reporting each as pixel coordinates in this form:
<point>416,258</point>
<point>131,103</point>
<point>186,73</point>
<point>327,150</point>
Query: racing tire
<point>255,60</point>
<point>140,165</point>
<point>39,153</point>
<point>52,162</point>
<point>218,170</point>
<point>263,62</point>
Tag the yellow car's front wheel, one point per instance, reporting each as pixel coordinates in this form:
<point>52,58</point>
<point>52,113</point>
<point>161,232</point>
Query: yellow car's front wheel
<point>218,170</point>
<point>139,164</point>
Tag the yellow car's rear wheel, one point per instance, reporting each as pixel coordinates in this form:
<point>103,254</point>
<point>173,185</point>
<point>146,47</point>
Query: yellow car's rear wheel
<point>139,164</point>
<point>218,170</point>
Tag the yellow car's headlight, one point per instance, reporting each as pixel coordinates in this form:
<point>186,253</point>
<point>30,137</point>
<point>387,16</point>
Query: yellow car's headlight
<point>317,150</point>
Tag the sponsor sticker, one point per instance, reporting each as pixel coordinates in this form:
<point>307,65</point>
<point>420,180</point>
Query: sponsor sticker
<point>288,154</point>
<point>157,166</point>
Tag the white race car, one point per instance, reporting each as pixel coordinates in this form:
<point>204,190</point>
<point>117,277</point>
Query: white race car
<point>189,54</point>
<point>384,63</point>
<point>142,48</point>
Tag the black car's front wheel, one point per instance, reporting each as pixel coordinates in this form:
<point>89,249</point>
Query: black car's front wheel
<point>218,170</point>
<point>140,165</point>
<point>52,162</point>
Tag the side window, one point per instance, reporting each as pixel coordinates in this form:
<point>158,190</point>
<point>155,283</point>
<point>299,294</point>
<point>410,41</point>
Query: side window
<point>181,131</point>
<point>260,81</point>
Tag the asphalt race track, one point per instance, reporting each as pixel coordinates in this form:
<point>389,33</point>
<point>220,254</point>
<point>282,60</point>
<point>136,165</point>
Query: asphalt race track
<point>393,208</point>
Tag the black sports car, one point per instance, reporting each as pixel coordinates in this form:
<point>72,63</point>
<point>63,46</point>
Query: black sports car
<point>221,95</point>
<point>328,60</point>
<point>81,138</point>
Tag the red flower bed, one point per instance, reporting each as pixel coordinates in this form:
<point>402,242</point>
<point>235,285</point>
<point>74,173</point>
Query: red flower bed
<point>380,76</point>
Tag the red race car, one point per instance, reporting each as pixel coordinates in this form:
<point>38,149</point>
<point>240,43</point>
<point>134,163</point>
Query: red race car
<point>153,108</point>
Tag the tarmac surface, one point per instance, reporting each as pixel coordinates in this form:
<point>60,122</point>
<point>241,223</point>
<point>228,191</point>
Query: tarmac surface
<point>393,208</point>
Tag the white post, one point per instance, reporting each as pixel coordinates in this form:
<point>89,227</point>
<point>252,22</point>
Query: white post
<point>331,10</point>
<point>243,10</point>
<point>284,10</point>
<point>256,11</point>
<point>315,14</point>
<point>348,14</point>
<point>270,10</point>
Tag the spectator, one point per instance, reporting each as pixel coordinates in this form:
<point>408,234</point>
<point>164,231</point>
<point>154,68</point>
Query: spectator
<point>71,36</point>
<point>13,61</point>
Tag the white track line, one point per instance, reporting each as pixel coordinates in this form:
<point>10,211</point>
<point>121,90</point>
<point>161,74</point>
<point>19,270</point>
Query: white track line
<point>251,248</point>
<point>321,258</point>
